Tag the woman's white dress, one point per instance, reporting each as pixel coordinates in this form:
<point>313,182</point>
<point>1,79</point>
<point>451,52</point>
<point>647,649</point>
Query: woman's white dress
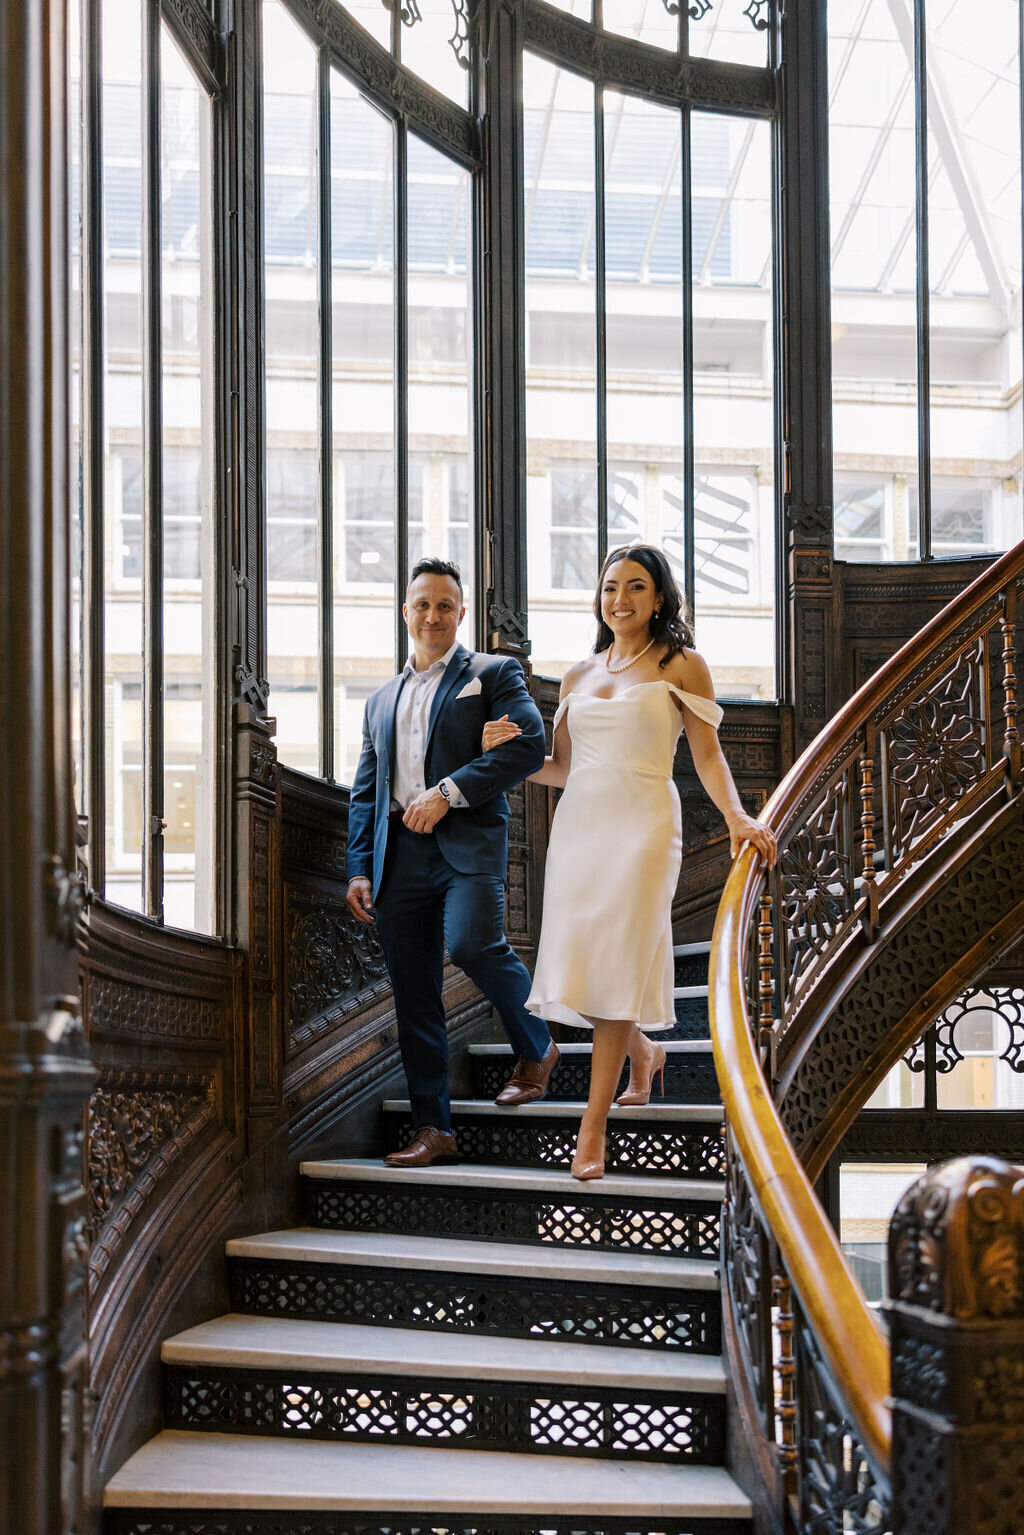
<point>613,861</point>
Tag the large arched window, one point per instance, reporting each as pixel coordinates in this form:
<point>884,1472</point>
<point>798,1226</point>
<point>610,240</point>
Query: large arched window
<point>144,423</point>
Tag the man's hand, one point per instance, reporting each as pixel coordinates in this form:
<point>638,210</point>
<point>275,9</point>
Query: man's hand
<point>423,813</point>
<point>359,898</point>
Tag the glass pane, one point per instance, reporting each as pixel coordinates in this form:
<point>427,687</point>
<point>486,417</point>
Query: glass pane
<point>732,30</point>
<point>974,253</point>
<point>363,338</point>
<point>561,382</point>
<point>291,233</point>
<point>646,20</point>
<point>734,413</point>
<point>190,671</point>
<point>644,307</point>
<point>122,418</point>
<point>868,1194</point>
<point>440,347</point>
<point>436,46</point>
<point>874,346</point>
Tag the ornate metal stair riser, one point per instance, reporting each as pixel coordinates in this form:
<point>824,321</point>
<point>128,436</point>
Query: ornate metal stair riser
<point>684,1228</point>
<point>691,1020</point>
<point>517,1308</point>
<point>629,1423</point>
<point>135,1521</point>
<point>688,1078</point>
<point>673,1151</point>
<point>691,969</point>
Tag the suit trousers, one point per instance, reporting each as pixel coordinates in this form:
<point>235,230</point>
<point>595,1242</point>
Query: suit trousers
<point>422,905</point>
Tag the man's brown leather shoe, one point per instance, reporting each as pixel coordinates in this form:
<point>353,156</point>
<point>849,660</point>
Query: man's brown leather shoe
<point>530,1079</point>
<point>427,1145</point>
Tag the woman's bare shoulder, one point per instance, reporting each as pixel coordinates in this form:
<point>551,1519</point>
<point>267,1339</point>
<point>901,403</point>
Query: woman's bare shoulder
<point>575,675</point>
<point>689,671</point>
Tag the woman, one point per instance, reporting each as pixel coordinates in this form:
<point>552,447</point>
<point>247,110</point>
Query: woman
<point>605,954</point>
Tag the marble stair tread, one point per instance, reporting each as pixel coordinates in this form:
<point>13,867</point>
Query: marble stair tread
<point>277,1343</point>
<point>453,1255</point>
<point>672,1046</point>
<point>550,1108</point>
<point>182,1469</point>
<point>690,950</point>
<point>684,993</point>
<point>466,1177</point>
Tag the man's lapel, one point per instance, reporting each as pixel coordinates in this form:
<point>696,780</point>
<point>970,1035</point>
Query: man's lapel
<point>453,673</point>
<point>389,708</point>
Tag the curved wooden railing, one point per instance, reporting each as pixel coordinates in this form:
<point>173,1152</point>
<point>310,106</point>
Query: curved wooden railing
<point>824,970</point>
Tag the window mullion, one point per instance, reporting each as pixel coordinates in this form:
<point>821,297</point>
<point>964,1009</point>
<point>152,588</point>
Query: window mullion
<point>689,509</point>
<point>326,418</point>
<point>924,462</point>
<point>600,323</point>
<point>152,470</point>
<point>92,794</point>
<point>401,385</point>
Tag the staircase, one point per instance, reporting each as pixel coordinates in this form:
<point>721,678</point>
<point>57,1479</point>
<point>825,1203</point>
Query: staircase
<point>489,1347</point>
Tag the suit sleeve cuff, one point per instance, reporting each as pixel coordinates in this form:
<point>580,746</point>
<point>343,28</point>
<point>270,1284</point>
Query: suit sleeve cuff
<point>456,799</point>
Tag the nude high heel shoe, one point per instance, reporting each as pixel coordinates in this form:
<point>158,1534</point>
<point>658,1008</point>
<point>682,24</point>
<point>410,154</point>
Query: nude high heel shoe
<point>641,1095</point>
<point>586,1171</point>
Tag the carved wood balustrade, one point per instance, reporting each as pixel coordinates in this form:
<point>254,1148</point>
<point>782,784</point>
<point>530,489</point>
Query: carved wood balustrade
<point>901,841</point>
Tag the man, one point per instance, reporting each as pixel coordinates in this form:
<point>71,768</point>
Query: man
<point>428,846</point>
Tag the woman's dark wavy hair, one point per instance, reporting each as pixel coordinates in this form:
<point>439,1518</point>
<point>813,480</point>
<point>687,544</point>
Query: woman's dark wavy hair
<point>670,626</point>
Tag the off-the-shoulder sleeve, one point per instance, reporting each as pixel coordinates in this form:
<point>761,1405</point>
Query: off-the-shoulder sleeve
<point>559,712</point>
<point>704,708</point>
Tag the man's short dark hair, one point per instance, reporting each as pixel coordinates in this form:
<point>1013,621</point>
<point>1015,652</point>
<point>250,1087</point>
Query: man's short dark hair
<point>433,565</point>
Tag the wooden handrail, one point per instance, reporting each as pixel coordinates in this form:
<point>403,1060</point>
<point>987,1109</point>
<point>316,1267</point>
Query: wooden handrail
<point>851,1341</point>
<point>832,1300</point>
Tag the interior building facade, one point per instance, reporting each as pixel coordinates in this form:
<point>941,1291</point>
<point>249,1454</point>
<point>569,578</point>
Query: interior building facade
<point>296,291</point>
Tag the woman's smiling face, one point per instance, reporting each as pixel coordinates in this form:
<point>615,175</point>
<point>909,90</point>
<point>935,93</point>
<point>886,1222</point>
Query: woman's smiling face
<point>629,598</point>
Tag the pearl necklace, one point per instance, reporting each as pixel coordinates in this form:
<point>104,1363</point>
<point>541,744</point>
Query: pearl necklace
<point>631,662</point>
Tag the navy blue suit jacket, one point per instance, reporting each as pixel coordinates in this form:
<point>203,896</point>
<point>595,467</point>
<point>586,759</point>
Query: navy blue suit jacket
<point>474,840</point>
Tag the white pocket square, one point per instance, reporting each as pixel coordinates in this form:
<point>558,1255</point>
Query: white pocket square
<point>471,689</point>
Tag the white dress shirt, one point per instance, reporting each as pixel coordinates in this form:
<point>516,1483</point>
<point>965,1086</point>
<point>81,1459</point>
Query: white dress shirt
<point>412,716</point>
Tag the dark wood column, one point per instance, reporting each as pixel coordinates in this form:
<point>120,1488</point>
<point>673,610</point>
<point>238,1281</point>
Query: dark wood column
<point>44,1077</point>
<point>806,367</point>
<point>501,345</point>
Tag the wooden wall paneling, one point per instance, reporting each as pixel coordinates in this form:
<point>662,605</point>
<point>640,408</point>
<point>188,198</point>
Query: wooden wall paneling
<point>44,1073</point>
<point>257,907</point>
<point>160,1011</point>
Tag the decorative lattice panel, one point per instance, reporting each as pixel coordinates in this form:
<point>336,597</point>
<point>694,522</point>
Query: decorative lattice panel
<point>691,969</point>
<point>518,1308</point>
<point>688,1078</point>
<point>485,1415</point>
<point>682,1227</point>
<point>136,1521</point>
<point>674,1151</point>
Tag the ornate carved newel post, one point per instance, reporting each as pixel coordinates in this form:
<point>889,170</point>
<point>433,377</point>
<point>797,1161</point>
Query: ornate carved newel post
<point>44,1076</point>
<point>956,1266</point>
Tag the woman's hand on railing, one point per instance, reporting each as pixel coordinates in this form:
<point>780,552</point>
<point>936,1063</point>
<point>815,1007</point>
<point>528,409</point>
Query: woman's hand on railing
<point>497,732</point>
<point>744,828</point>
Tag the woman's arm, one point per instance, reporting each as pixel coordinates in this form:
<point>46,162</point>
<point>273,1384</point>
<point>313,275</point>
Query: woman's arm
<point>554,770</point>
<point>712,768</point>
